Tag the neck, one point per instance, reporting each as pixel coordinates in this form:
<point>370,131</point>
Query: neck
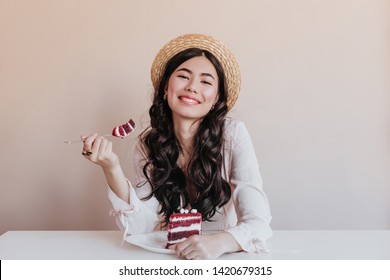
<point>184,132</point>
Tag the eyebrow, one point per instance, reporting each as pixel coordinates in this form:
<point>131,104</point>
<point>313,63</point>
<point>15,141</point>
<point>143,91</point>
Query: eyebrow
<point>189,71</point>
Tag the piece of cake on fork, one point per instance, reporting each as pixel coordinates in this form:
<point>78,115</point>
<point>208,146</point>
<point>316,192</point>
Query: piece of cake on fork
<point>124,129</point>
<point>182,225</point>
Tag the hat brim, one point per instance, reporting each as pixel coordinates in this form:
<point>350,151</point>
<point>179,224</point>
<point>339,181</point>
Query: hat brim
<point>204,42</point>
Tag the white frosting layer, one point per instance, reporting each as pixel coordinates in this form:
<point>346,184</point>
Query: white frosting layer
<point>189,228</point>
<point>177,240</point>
<point>189,218</point>
<point>129,125</point>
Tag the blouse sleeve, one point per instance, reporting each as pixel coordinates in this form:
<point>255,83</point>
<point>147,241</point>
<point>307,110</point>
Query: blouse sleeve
<point>250,201</point>
<point>138,216</point>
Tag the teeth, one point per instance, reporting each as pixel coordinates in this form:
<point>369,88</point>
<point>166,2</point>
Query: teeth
<point>189,100</point>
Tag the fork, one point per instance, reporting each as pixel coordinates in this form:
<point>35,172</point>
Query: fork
<point>78,141</point>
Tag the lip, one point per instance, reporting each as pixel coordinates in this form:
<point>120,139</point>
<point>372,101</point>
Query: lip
<point>189,100</point>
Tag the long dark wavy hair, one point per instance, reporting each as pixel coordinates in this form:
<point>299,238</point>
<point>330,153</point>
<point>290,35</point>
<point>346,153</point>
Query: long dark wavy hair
<point>170,184</point>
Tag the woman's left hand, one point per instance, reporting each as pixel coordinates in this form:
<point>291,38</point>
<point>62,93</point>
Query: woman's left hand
<point>209,246</point>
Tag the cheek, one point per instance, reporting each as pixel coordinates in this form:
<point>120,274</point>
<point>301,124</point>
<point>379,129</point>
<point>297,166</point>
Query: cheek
<point>169,84</point>
<point>173,85</point>
<point>211,95</point>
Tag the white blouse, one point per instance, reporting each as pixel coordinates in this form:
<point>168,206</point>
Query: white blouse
<point>246,216</point>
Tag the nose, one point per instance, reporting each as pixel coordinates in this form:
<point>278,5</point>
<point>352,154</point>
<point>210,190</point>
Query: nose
<point>192,87</point>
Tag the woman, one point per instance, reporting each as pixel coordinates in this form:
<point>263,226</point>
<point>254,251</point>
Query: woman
<point>192,155</point>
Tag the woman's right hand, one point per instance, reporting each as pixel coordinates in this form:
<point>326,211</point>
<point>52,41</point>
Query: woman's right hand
<point>99,150</point>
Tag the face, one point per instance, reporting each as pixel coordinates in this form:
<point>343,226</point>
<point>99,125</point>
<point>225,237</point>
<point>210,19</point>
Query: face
<point>192,89</point>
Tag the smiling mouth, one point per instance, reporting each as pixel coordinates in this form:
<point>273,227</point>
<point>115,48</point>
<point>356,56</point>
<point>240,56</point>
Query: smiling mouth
<point>187,100</point>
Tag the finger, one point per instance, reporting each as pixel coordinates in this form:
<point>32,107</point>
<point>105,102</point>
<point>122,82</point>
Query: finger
<point>96,147</point>
<point>193,240</point>
<point>192,248</point>
<point>103,145</point>
<point>193,255</point>
<point>182,248</point>
<point>109,147</point>
<point>186,252</point>
<point>190,252</point>
<point>102,152</point>
<point>88,142</point>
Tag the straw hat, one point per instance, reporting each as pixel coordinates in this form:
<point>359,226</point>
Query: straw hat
<point>204,42</point>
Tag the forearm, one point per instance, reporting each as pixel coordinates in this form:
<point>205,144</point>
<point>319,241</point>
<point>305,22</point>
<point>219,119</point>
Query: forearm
<point>117,181</point>
<point>228,243</point>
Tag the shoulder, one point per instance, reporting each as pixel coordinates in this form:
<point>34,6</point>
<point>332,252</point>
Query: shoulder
<point>232,124</point>
<point>235,129</point>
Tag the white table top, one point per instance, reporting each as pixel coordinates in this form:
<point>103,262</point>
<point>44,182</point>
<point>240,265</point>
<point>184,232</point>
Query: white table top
<point>284,245</point>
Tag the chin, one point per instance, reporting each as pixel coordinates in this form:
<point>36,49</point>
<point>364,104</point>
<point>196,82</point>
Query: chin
<point>191,115</point>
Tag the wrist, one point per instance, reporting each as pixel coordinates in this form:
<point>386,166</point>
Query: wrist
<point>111,168</point>
<point>117,181</point>
<point>228,243</point>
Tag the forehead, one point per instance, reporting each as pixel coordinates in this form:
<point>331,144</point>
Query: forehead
<point>199,64</point>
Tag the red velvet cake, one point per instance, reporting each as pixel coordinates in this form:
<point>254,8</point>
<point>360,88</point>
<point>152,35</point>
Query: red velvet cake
<point>182,225</point>
<point>124,129</point>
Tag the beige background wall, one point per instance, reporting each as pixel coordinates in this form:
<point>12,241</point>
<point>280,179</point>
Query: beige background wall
<point>315,98</point>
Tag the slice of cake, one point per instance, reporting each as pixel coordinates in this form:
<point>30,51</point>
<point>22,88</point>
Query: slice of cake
<point>182,225</point>
<point>124,129</point>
